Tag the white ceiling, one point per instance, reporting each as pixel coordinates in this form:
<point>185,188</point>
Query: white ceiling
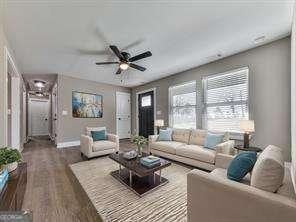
<point>53,36</point>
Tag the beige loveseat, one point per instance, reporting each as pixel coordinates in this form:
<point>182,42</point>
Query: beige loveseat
<point>212,197</point>
<point>187,147</point>
<point>90,149</point>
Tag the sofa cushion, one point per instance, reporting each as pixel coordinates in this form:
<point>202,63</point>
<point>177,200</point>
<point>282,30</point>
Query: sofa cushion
<point>268,172</point>
<point>241,165</point>
<point>197,137</point>
<point>197,152</point>
<point>166,146</point>
<point>181,135</point>
<point>89,129</point>
<point>222,173</point>
<point>103,145</point>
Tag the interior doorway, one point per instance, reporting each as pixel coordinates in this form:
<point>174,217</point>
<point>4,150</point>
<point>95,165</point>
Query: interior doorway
<point>146,112</point>
<point>39,112</point>
<point>123,115</point>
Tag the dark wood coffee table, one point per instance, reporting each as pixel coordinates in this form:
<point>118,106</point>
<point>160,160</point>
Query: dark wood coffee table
<point>137,177</point>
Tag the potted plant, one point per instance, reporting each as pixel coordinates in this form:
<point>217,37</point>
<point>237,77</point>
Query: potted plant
<point>9,158</point>
<point>140,141</point>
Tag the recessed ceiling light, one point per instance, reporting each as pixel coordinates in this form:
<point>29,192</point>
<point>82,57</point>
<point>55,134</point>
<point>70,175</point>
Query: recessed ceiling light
<point>39,83</point>
<point>259,39</point>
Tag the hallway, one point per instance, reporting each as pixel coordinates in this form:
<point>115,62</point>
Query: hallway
<point>53,193</point>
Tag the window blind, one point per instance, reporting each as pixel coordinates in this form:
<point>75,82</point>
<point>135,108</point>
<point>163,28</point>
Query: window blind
<point>226,100</point>
<point>183,105</point>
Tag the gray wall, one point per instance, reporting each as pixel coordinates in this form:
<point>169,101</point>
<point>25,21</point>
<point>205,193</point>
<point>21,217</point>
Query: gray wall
<point>69,128</point>
<point>293,98</point>
<point>269,91</point>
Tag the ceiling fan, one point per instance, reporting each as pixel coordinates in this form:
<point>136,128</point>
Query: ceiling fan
<point>125,60</point>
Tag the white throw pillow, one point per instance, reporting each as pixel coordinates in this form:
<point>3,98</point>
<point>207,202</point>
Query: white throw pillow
<point>268,172</point>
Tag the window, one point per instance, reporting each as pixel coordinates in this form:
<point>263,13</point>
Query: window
<point>226,100</point>
<point>183,105</point>
<point>146,101</point>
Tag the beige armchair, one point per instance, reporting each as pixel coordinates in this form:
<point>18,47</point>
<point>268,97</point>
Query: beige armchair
<point>90,149</point>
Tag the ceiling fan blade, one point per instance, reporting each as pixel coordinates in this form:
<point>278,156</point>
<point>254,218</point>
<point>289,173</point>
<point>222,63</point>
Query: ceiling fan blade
<point>137,67</point>
<point>140,56</point>
<point>118,71</point>
<point>105,63</point>
<point>116,52</point>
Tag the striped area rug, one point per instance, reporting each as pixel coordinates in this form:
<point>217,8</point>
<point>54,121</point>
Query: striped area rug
<point>115,202</point>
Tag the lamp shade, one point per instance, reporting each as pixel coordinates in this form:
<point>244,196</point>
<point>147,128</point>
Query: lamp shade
<point>247,126</point>
<point>159,122</point>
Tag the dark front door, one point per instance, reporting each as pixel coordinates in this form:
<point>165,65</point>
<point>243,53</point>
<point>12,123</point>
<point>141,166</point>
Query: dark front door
<point>146,114</point>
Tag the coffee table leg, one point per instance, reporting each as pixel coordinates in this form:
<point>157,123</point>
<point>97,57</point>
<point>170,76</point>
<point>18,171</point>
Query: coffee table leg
<point>119,171</point>
<point>159,176</point>
<point>154,177</point>
<point>130,178</point>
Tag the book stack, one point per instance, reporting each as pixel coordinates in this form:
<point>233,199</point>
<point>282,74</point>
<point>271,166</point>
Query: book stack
<point>150,161</point>
<point>3,179</point>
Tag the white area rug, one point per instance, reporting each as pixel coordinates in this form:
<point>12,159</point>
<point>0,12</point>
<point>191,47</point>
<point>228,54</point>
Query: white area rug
<point>115,202</point>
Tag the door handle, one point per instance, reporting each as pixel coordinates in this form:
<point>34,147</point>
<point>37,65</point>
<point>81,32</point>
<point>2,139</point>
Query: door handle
<point>45,119</point>
<point>55,119</point>
<point>119,118</point>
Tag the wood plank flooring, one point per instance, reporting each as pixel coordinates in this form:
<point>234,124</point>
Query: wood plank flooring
<point>53,193</point>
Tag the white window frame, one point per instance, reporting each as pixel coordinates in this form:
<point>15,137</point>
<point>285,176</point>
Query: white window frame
<point>204,122</point>
<point>170,102</point>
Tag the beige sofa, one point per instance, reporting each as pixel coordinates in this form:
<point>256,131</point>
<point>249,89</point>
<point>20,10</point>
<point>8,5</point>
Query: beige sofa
<point>212,197</point>
<point>187,147</point>
<point>90,149</point>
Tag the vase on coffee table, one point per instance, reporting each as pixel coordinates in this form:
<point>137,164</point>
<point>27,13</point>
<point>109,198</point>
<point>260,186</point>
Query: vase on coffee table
<point>140,148</point>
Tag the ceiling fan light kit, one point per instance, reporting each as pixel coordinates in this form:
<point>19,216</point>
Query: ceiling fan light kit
<point>125,60</point>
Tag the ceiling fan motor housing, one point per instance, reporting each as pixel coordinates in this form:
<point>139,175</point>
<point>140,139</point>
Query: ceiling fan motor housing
<point>126,55</point>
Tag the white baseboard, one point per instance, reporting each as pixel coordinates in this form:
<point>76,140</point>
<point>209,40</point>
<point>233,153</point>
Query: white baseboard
<point>68,144</point>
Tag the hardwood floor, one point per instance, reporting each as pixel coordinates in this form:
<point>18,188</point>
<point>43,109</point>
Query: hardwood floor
<point>53,193</point>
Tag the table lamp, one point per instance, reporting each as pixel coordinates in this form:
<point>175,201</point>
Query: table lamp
<point>159,123</point>
<point>247,126</point>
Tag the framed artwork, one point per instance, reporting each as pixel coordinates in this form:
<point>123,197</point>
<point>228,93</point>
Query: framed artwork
<point>87,105</point>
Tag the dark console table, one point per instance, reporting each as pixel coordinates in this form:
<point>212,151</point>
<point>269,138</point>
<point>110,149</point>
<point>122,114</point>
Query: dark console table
<point>12,195</point>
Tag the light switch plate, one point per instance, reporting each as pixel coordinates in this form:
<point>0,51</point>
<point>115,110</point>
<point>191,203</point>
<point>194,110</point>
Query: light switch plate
<point>158,112</point>
<point>64,112</point>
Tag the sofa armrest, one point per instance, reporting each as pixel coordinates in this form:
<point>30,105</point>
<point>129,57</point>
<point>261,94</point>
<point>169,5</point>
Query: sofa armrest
<point>151,139</point>
<point>225,147</point>
<point>223,160</point>
<point>114,138</point>
<point>216,199</point>
<point>86,143</point>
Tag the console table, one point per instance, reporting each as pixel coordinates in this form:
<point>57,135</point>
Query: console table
<point>12,195</point>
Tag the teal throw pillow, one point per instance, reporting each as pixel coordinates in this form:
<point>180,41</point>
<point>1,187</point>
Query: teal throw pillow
<point>212,140</point>
<point>241,165</point>
<point>165,135</point>
<point>99,135</point>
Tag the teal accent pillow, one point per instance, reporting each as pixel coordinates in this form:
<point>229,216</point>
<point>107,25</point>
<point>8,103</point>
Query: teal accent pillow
<point>213,140</point>
<point>165,135</point>
<point>242,164</point>
<point>99,135</point>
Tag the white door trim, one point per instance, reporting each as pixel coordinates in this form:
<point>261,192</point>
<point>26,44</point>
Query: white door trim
<point>122,93</point>
<point>15,101</point>
<point>137,107</point>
